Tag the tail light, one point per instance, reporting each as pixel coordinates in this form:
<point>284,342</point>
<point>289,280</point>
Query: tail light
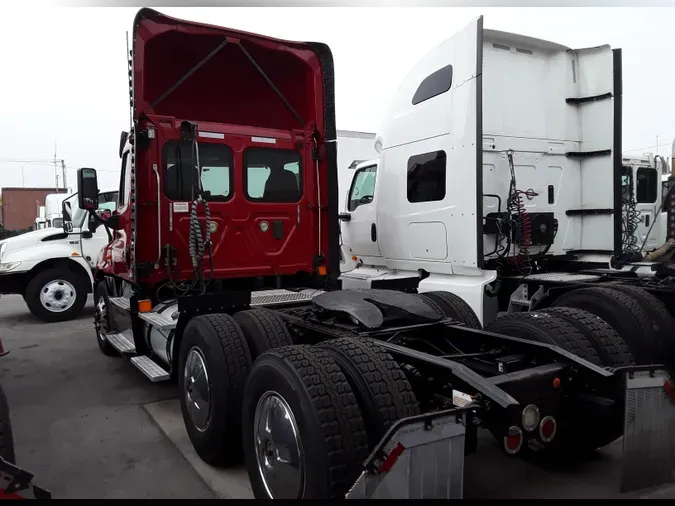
<point>513,442</point>
<point>2,349</point>
<point>530,418</point>
<point>547,429</point>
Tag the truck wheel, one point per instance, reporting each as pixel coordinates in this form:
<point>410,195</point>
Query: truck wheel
<point>545,328</point>
<point>380,386</point>
<point>622,313</point>
<point>264,330</point>
<point>6,437</point>
<point>56,295</point>
<point>661,317</point>
<point>213,363</point>
<point>304,437</point>
<point>103,319</point>
<point>608,344</point>
<point>450,305</point>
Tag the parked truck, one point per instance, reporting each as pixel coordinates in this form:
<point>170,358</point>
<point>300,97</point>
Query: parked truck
<point>53,207</point>
<point>52,267</point>
<point>525,204</point>
<point>40,219</point>
<point>223,269</point>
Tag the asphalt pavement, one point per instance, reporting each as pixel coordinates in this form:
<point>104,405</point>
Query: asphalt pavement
<point>78,417</point>
<point>91,426</point>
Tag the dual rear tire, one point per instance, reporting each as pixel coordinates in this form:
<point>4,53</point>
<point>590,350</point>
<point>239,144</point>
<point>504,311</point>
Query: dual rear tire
<point>303,417</point>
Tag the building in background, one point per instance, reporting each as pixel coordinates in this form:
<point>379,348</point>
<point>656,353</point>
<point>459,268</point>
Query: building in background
<point>20,205</point>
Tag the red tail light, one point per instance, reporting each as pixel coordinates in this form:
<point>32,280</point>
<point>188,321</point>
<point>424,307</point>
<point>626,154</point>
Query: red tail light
<point>2,349</point>
<point>513,442</point>
<point>547,429</point>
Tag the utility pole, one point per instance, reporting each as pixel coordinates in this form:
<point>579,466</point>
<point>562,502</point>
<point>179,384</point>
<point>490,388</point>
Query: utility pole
<point>56,170</point>
<point>63,169</point>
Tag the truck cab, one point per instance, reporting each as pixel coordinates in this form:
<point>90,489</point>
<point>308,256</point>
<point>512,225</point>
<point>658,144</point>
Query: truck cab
<point>52,267</point>
<point>642,197</point>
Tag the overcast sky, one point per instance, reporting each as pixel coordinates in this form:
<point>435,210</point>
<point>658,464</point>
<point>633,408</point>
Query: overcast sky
<point>64,70</point>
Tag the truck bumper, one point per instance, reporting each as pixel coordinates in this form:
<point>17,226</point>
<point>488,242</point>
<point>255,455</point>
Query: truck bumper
<point>12,283</point>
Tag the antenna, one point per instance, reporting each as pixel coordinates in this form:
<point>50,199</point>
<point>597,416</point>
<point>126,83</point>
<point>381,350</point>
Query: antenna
<point>130,70</point>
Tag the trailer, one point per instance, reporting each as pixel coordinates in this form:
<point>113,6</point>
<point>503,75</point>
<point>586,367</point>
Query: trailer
<point>223,275</point>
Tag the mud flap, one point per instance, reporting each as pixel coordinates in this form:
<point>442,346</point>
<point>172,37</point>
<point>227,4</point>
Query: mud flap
<point>649,430</point>
<point>420,457</point>
<point>15,483</point>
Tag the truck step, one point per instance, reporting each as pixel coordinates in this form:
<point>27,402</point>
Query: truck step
<point>161,321</point>
<point>120,302</point>
<point>151,370</point>
<point>122,342</point>
<point>276,297</point>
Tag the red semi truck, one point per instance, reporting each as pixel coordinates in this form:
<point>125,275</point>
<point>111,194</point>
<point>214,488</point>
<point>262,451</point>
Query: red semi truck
<point>223,269</point>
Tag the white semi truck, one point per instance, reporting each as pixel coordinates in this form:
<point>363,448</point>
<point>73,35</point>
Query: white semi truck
<point>52,267</point>
<point>512,193</point>
<point>53,207</point>
<point>41,219</point>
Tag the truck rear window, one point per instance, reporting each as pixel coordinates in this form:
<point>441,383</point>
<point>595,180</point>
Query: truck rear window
<point>216,166</point>
<point>272,175</point>
<point>647,185</point>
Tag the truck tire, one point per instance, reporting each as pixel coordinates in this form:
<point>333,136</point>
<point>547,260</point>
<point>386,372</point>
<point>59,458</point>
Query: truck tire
<point>315,405</point>
<point>380,386</point>
<point>264,330</point>
<point>622,313</point>
<point>103,320</point>
<point>56,295</point>
<point>545,328</point>
<point>661,317</point>
<point>608,344</point>
<point>6,436</point>
<point>450,305</point>
<point>214,361</point>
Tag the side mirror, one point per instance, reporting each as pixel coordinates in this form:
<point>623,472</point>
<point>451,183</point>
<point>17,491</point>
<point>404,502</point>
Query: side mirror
<point>123,140</point>
<point>87,189</point>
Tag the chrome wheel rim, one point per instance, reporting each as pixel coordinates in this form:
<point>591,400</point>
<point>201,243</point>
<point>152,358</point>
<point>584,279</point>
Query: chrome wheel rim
<point>278,448</point>
<point>58,296</point>
<point>101,312</point>
<point>197,389</point>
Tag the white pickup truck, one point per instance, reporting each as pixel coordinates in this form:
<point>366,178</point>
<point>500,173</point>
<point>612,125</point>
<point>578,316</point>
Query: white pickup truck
<point>52,267</point>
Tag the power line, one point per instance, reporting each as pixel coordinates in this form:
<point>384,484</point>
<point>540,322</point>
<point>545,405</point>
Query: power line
<point>46,163</point>
<point>648,147</point>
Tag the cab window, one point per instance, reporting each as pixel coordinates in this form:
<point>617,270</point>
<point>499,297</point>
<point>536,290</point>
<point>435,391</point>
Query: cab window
<point>646,188</point>
<point>272,175</point>
<point>180,171</point>
<point>363,188</point>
